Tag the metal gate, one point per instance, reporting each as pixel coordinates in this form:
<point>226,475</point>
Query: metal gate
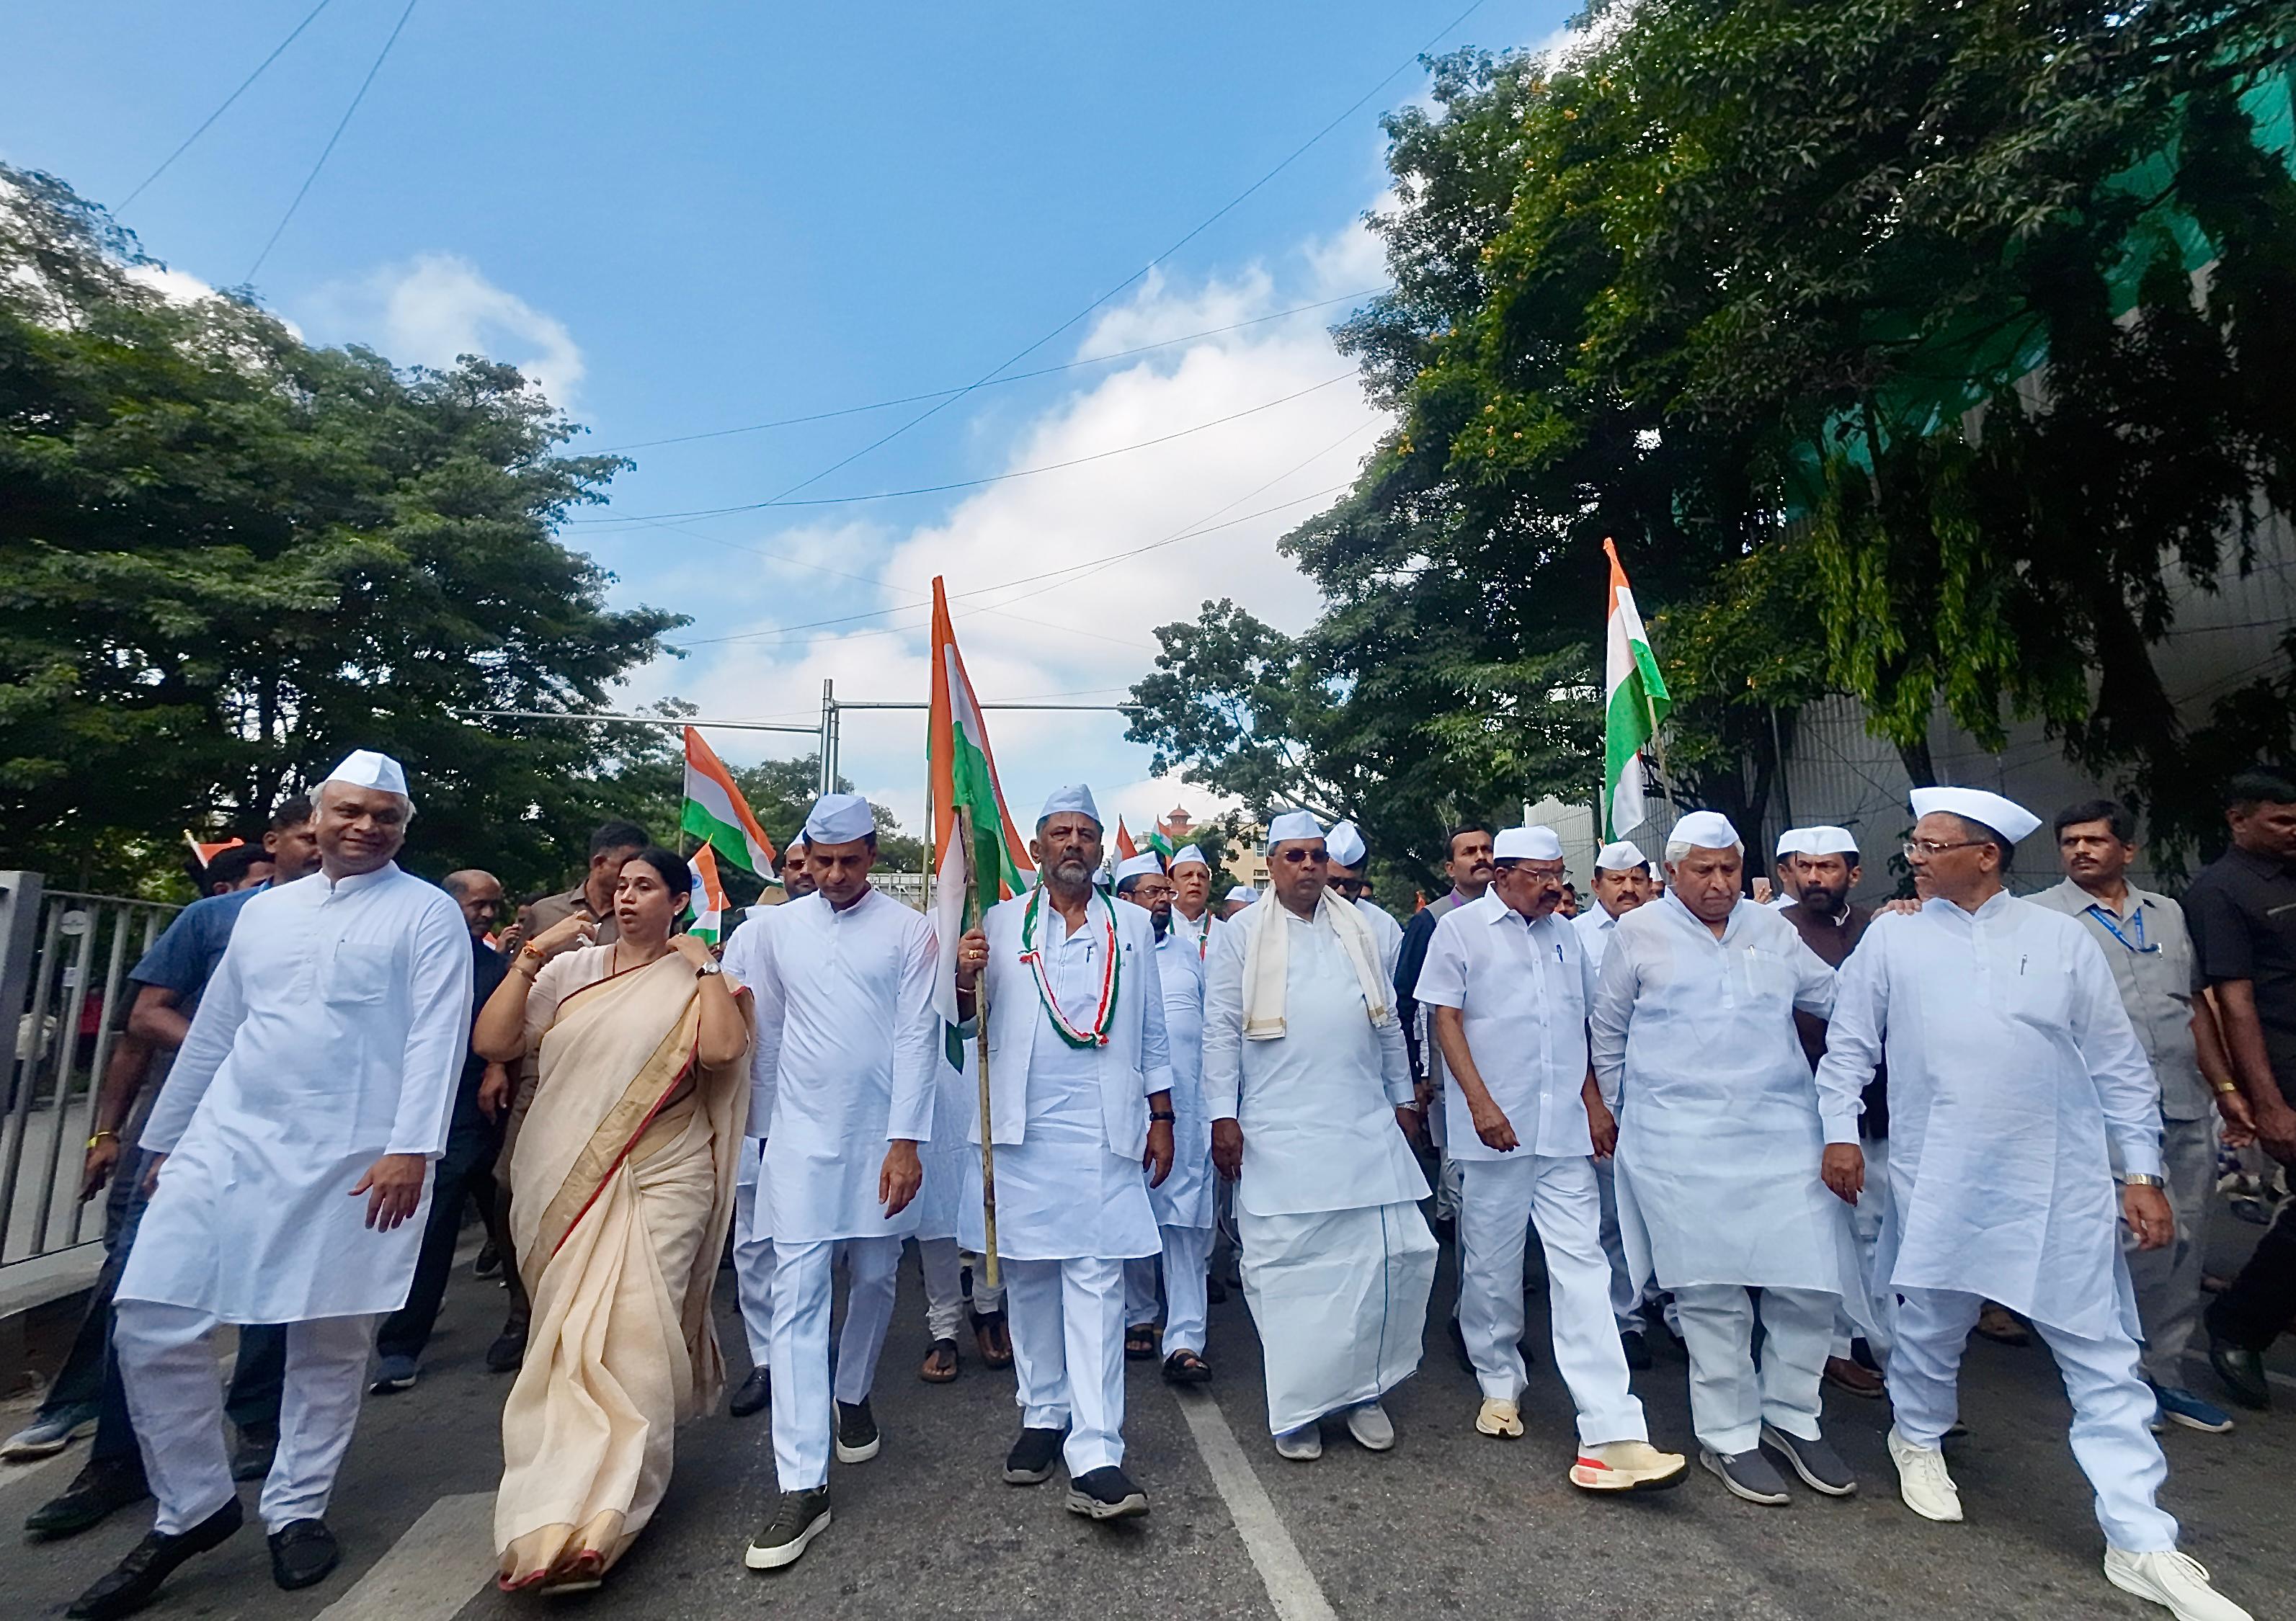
<point>64,960</point>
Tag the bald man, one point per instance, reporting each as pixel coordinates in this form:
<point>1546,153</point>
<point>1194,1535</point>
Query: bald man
<point>468,1166</point>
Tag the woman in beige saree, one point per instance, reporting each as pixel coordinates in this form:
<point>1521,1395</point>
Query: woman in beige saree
<point>621,1192</point>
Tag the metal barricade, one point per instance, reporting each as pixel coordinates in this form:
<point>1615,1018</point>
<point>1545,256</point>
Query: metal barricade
<point>64,960</point>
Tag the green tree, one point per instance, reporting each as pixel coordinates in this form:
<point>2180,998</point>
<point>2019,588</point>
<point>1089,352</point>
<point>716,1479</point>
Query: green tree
<point>227,557</point>
<point>1898,347</point>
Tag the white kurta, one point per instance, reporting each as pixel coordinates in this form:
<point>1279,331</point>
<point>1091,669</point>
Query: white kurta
<point>333,1034</point>
<point>2012,1064</point>
<point>848,1043</point>
<point>1386,934</point>
<point>744,960</point>
<point>1071,1123</point>
<point>1318,1104</point>
<point>1595,927</point>
<point>1720,1131</point>
<point>1184,1198</point>
<point>1521,989</point>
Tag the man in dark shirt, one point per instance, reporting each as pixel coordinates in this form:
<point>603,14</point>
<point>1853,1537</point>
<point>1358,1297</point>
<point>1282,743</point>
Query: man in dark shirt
<point>1825,870</point>
<point>469,1157</point>
<point>2242,911</point>
<point>1467,863</point>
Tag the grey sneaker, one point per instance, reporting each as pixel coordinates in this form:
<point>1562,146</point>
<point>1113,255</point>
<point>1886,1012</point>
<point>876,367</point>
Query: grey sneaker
<point>1820,1467</point>
<point>797,1519</point>
<point>50,1433</point>
<point>1747,1474</point>
<point>1371,1427</point>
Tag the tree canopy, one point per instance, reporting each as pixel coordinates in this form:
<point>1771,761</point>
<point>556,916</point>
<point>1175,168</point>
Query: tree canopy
<point>228,557</point>
<point>1909,352</point>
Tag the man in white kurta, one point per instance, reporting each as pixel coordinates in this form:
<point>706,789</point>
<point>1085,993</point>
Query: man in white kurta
<point>1621,883</point>
<point>1507,983</point>
<point>1182,1201</point>
<point>1727,1183</point>
<point>1306,1079</point>
<point>1080,1102</point>
<point>1347,858</point>
<point>2014,1078</point>
<point>322,1064</point>
<point>847,1035</point>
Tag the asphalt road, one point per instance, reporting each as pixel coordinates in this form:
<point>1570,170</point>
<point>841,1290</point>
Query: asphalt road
<point>1449,1522</point>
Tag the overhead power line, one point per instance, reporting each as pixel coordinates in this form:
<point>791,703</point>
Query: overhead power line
<point>1202,225</point>
<point>328,149</point>
<point>1072,365</point>
<point>309,17</point>
<point>647,520</point>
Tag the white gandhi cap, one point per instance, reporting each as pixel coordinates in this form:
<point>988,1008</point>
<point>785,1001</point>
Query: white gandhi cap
<point>1074,796</point>
<point>1143,865</point>
<point>1527,844</point>
<point>365,768</point>
<point>1344,844</point>
<point>1293,824</point>
<point>2006,817</point>
<point>1189,853</point>
<point>839,819</point>
<point>1619,857</point>
<point>1705,829</point>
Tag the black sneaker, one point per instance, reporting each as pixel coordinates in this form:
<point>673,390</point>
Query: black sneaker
<point>1820,1467</point>
<point>797,1519</point>
<point>303,1553</point>
<point>258,1445</point>
<point>756,1392</point>
<point>857,1432</point>
<point>1106,1493</point>
<point>1033,1457</point>
<point>106,1483</point>
<point>1747,1474</point>
<point>133,1582</point>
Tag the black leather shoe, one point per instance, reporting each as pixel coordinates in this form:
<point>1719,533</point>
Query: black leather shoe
<point>258,1445</point>
<point>136,1579</point>
<point>302,1553</point>
<point>2241,1371</point>
<point>106,1483</point>
<point>756,1392</point>
<point>508,1350</point>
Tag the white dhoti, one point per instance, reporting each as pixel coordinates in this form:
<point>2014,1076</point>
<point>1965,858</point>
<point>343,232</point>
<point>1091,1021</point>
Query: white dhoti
<point>1499,1200</point>
<point>803,1385</point>
<point>753,1253</point>
<point>168,1368</point>
<point>2112,1407</point>
<point>1341,1300</point>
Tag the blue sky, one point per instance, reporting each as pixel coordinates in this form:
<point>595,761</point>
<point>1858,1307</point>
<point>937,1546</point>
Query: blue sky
<point>687,219</point>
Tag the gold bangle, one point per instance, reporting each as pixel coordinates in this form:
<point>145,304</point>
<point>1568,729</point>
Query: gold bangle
<point>100,1137</point>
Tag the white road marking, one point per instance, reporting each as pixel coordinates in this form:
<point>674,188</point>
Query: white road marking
<point>443,1561</point>
<point>1291,1587</point>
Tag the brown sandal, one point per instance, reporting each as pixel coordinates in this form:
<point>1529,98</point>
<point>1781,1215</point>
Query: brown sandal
<point>994,1337</point>
<point>941,1364</point>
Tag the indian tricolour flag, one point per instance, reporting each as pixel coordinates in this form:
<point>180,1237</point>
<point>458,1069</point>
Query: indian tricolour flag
<point>963,779</point>
<point>709,896</point>
<point>716,813</point>
<point>1635,701</point>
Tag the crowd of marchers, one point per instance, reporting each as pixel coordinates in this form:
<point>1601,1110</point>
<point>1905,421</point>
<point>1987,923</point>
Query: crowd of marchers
<point>1817,1144</point>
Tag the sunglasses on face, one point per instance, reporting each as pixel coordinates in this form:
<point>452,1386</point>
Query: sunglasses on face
<point>1297,856</point>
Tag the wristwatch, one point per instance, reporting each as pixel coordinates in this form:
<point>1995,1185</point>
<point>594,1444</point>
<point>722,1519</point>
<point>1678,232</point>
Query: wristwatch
<point>2141,1179</point>
<point>709,967</point>
<point>1161,1114</point>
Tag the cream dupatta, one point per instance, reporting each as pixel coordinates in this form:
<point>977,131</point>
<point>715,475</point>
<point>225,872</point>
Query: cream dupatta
<point>621,1193</point>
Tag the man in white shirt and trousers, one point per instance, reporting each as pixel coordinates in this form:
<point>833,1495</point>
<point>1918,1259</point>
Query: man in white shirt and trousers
<point>1182,1201</point>
<point>848,1040</point>
<point>753,1235</point>
<point>1080,1085</point>
<point>1309,1091</point>
<point>1733,1174</point>
<point>1507,982</point>
<point>1346,856</point>
<point>2014,1080</point>
<point>1621,883</point>
<point>296,1132</point>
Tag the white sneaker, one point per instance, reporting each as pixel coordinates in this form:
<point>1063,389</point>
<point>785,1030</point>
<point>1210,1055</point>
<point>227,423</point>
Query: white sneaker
<point>1371,1427</point>
<point>2174,1580</point>
<point>1922,1480</point>
<point>1498,1417</point>
<point>1304,1445</point>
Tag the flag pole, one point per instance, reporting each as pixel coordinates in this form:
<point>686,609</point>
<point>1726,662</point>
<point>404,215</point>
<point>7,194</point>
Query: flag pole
<point>1665,777</point>
<point>972,916</point>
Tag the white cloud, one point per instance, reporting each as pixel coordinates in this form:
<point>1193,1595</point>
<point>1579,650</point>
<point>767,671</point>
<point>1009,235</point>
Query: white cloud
<point>438,306</point>
<point>1035,623</point>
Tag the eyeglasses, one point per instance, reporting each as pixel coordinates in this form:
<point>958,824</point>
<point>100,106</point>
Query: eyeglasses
<point>1939,846</point>
<point>1351,886</point>
<point>1297,856</point>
